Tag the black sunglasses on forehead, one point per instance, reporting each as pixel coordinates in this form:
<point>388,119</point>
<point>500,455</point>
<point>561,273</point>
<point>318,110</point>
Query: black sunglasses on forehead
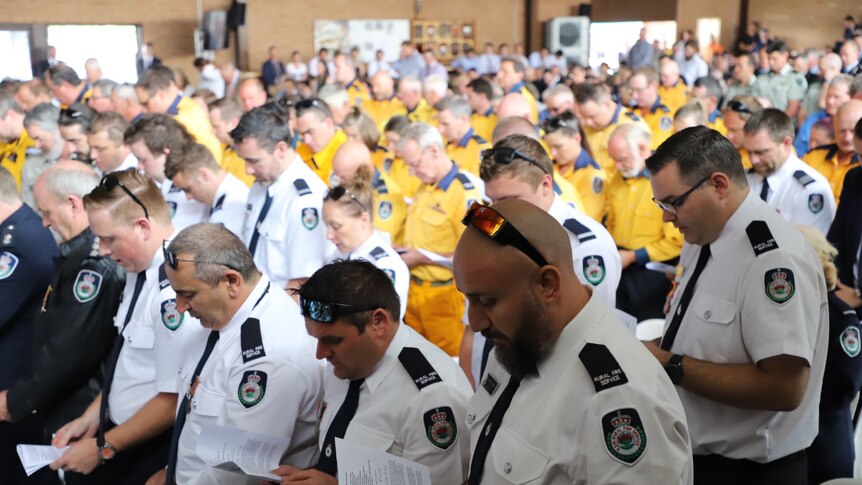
<point>110,181</point>
<point>174,261</point>
<point>337,192</point>
<point>507,155</point>
<point>324,312</point>
<point>739,107</point>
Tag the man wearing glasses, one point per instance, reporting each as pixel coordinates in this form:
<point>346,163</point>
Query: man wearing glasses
<point>385,386</point>
<point>792,187</point>
<point>745,338</point>
<point>127,428</point>
<point>258,371</point>
<point>569,395</point>
<point>282,227</point>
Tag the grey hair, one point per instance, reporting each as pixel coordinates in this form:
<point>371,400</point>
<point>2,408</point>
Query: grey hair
<point>63,182</point>
<point>8,103</point>
<point>456,105</point>
<point>44,115</point>
<point>126,91</point>
<point>423,134</point>
<point>214,247</point>
<point>435,84</point>
<point>411,82</point>
<point>559,90</point>
<point>8,187</point>
<point>634,135</point>
<point>106,86</point>
<point>333,95</point>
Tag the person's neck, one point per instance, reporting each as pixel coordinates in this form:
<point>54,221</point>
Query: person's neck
<point>213,187</point>
<point>245,291</point>
<point>79,225</point>
<point>7,209</point>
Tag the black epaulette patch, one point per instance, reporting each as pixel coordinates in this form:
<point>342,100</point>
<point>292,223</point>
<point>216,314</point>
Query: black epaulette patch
<point>378,253</point>
<point>465,181</point>
<point>418,367</point>
<point>7,238</point>
<point>602,367</point>
<point>251,341</point>
<point>164,282</point>
<point>381,187</point>
<point>174,189</point>
<point>760,237</point>
<point>631,115</point>
<point>582,232</point>
<point>479,139</point>
<point>664,108</point>
<point>803,178</point>
<point>302,187</point>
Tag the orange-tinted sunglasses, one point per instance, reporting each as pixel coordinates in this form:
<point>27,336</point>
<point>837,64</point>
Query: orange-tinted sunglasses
<point>492,224</point>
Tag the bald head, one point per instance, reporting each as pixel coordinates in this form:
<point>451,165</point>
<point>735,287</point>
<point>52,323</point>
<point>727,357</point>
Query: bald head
<point>350,156</point>
<point>846,117</point>
<point>514,125</point>
<point>514,104</point>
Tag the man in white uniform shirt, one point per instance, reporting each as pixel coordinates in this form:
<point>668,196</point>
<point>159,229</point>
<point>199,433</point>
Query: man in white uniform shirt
<point>107,149</point>
<point>195,172</point>
<point>127,427</point>
<point>569,396</point>
<point>798,192</point>
<point>152,139</point>
<point>385,386</point>
<point>282,227</point>
<point>745,339</point>
<point>257,372</point>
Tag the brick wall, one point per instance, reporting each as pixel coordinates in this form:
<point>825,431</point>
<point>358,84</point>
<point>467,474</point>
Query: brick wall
<point>805,23</point>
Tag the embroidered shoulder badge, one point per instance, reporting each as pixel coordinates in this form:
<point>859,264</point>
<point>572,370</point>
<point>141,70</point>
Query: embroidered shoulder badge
<point>624,435</point>
<point>310,218</point>
<point>171,318</point>
<point>594,269</point>
<point>87,285</point>
<point>779,285</point>
<point>440,427</point>
<point>252,388</point>
<point>8,263</point>
<point>850,341</point>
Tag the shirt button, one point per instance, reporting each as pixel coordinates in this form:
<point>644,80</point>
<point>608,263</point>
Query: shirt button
<point>471,418</point>
<point>707,314</point>
<point>507,468</point>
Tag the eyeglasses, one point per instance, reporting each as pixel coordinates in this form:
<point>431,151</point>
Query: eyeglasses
<point>492,224</point>
<point>506,155</point>
<point>674,205</point>
<point>338,192</point>
<point>110,181</point>
<point>739,107</point>
<point>174,261</point>
<point>328,312</point>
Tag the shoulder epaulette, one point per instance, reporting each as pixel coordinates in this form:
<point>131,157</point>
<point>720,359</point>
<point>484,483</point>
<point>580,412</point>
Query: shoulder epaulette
<point>631,115</point>
<point>803,178</point>
<point>174,189</point>
<point>164,282</point>
<point>302,187</point>
<point>7,238</point>
<point>664,108</point>
<point>479,139</point>
<point>582,232</point>
<point>465,181</point>
<point>760,237</point>
<point>251,341</point>
<point>420,370</point>
<point>602,367</point>
<point>378,253</point>
<point>381,187</point>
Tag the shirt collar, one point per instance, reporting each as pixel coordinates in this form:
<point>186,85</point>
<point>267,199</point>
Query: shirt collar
<point>573,334</point>
<point>655,106</point>
<point>447,180</point>
<point>584,160</point>
<point>490,111</point>
<point>83,93</point>
<point>229,331</point>
<point>67,247</point>
<point>466,138</point>
<point>365,248</point>
<point>724,245</point>
<point>516,88</point>
<point>173,109</point>
<point>714,116</point>
<point>616,117</point>
<point>390,358</point>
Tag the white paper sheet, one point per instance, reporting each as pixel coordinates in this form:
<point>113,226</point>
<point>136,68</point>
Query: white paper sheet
<point>242,452</point>
<point>361,465</point>
<point>35,457</point>
<point>436,258</point>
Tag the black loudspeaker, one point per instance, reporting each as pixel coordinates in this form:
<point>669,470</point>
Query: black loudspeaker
<point>585,9</point>
<point>236,15</point>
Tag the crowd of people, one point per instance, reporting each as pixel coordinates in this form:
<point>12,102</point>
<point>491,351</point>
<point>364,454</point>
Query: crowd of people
<point>301,252</point>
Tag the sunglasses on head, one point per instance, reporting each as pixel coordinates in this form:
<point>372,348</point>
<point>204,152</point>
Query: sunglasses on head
<point>492,224</point>
<point>506,155</point>
<point>174,261</point>
<point>739,107</point>
<point>329,312</point>
<point>110,181</point>
<point>337,192</point>
<point>557,123</point>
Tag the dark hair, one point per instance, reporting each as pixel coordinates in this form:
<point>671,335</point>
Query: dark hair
<point>267,124</point>
<point>353,282</point>
<point>397,123</point>
<point>156,78</point>
<point>213,246</point>
<point>77,114</point>
<point>482,86</point>
<point>776,123</point>
<point>699,151</point>
<point>159,132</point>
<point>192,157</point>
<point>713,88</point>
<point>777,46</point>
<point>63,73</point>
<point>519,168</point>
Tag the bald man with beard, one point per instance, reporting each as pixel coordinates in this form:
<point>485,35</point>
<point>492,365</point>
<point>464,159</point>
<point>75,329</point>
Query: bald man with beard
<point>560,349</point>
<point>390,209</point>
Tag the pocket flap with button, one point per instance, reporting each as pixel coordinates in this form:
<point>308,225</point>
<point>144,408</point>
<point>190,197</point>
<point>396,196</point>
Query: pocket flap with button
<point>712,309</point>
<point>516,460</point>
<point>272,231</point>
<point>367,436</point>
<point>206,402</point>
<point>140,337</point>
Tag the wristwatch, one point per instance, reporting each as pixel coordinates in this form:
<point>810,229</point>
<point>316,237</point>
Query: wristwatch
<point>674,368</point>
<point>107,452</point>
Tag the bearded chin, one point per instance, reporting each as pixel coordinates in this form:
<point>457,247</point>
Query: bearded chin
<point>531,345</point>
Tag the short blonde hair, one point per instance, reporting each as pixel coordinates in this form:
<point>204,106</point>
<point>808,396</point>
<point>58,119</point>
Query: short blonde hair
<point>124,208</point>
<point>825,251</point>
